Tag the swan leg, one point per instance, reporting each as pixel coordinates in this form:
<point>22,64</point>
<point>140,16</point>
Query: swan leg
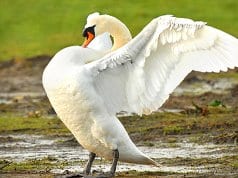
<point>112,171</point>
<point>115,160</point>
<point>87,169</point>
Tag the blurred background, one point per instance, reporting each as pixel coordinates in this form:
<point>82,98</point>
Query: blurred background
<point>194,134</point>
<point>29,27</point>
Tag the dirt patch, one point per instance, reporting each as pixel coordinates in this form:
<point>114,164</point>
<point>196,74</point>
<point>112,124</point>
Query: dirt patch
<point>27,175</point>
<point>22,75</point>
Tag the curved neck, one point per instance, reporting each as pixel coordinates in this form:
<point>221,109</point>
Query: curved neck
<point>120,33</point>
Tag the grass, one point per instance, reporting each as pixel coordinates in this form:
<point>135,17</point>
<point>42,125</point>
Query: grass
<point>216,118</point>
<point>34,165</point>
<point>162,124</point>
<point>232,74</point>
<point>146,174</point>
<point>29,28</point>
<point>140,128</point>
<point>10,123</point>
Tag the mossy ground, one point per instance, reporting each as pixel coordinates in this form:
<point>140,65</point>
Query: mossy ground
<point>10,124</point>
<point>216,119</point>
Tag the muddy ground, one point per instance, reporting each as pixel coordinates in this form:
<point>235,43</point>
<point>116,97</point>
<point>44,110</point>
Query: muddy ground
<point>194,134</point>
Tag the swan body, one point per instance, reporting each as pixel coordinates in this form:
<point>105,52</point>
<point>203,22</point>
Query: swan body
<point>74,100</point>
<point>88,85</point>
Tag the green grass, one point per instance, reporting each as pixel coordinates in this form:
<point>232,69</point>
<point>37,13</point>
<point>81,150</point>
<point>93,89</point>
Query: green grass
<point>10,123</point>
<point>34,165</point>
<point>218,119</point>
<point>29,27</point>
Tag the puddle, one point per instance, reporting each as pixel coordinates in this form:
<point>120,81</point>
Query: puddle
<point>8,98</point>
<point>25,147</point>
<point>22,94</point>
<point>220,86</point>
<point>126,114</point>
<point>189,150</point>
<point>5,101</point>
<point>37,147</point>
<point>141,168</point>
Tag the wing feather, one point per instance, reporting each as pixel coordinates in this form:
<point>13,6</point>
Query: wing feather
<point>140,76</point>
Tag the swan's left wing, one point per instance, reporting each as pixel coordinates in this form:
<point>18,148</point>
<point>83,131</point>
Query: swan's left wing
<point>140,76</point>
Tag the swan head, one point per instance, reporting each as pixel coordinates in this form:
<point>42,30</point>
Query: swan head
<point>98,24</point>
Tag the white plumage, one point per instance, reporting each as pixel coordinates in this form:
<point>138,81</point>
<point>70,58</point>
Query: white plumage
<point>88,86</point>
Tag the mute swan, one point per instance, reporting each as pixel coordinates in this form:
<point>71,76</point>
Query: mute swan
<point>88,85</point>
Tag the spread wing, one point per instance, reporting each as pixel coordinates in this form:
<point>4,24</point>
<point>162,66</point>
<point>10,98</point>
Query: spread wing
<point>141,75</point>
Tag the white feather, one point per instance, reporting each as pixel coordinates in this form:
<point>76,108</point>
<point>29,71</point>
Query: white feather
<point>163,54</point>
<point>102,43</point>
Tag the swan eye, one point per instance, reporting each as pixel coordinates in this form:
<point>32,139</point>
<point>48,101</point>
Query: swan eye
<point>89,29</point>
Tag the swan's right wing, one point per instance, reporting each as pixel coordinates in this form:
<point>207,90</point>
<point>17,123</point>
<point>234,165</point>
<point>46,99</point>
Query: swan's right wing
<point>140,76</point>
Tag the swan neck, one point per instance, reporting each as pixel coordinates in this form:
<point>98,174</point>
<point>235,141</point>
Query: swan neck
<point>120,33</point>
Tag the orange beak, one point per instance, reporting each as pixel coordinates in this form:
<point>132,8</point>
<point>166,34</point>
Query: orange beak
<point>89,38</point>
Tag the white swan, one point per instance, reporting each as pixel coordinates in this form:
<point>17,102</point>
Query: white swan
<point>88,86</point>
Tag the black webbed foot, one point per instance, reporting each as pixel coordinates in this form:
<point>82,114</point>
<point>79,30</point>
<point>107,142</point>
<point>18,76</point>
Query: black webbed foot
<point>87,169</point>
<point>105,175</point>
<point>79,175</point>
